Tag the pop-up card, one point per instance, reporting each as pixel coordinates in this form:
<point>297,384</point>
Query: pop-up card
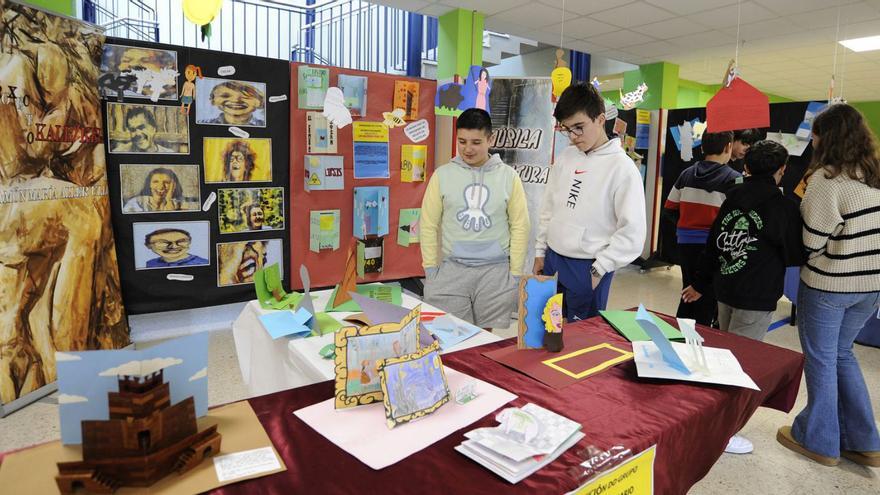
<point>91,382</point>
<point>354,93</point>
<point>270,292</point>
<point>312,83</point>
<point>324,230</point>
<point>412,162</point>
<point>413,386</point>
<point>370,211</point>
<point>376,311</point>
<point>359,349</point>
<point>534,293</point>
<point>406,97</point>
<point>323,173</point>
<point>370,253</point>
<point>320,134</point>
<point>408,226</point>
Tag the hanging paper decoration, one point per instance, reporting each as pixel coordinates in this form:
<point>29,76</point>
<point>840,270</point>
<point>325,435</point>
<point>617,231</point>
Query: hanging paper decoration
<point>596,84</point>
<point>730,74</point>
<point>335,110</point>
<point>739,106</point>
<point>201,12</point>
<point>561,75</point>
<point>633,98</point>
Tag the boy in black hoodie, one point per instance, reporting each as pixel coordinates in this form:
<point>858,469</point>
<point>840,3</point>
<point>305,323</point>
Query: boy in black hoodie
<point>756,234</point>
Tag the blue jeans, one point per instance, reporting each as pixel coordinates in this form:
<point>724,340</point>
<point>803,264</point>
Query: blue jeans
<point>838,415</point>
<point>575,283</point>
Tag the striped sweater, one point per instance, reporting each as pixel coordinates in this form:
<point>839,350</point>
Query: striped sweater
<point>697,196</point>
<point>841,234</point>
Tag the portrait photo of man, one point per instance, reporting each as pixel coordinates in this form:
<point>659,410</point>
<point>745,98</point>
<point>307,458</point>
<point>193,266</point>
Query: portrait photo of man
<point>171,245</point>
<point>150,129</point>
<point>232,103</point>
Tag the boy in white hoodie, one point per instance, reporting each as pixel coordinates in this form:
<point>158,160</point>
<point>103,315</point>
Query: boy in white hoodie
<point>478,204</point>
<point>592,219</point>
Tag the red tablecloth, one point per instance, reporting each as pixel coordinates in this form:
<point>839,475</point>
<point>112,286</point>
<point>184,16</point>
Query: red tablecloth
<point>690,423</point>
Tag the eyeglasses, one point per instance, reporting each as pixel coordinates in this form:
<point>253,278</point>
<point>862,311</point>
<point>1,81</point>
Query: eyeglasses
<point>576,131</point>
<point>168,244</point>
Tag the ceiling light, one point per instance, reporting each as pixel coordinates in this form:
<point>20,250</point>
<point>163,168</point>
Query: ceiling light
<point>862,44</point>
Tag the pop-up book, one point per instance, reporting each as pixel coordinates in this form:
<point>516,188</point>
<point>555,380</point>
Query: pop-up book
<point>413,386</point>
<point>370,211</point>
<point>134,412</point>
<point>359,349</point>
<point>534,293</point>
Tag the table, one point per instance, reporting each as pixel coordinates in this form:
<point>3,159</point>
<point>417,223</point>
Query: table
<point>689,423</point>
<point>271,365</point>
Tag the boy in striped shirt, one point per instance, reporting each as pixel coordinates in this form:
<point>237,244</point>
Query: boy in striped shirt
<point>697,197</point>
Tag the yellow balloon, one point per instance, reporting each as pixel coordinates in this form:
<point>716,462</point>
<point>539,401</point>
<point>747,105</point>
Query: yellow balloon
<point>561,79</point>
<point>201,12</point>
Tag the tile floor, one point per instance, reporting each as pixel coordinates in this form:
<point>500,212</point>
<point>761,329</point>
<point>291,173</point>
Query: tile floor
<point>770,469</point>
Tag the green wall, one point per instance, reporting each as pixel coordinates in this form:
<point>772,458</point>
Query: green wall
<point>871,111</point>
<point>65,7</point>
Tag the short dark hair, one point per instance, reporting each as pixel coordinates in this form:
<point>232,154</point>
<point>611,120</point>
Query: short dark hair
<point>765,158</point>
<point>747,136</point>
<point>135,111</point>
<point>579,97</point>
<point>713,143</point>
<point>476,119</point>
<point>164,231</point>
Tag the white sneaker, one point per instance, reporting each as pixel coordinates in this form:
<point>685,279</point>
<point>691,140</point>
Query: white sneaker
<point>739,445</point>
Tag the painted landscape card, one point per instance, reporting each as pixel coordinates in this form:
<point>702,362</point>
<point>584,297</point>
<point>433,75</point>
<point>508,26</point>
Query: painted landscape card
<point>413,386</point>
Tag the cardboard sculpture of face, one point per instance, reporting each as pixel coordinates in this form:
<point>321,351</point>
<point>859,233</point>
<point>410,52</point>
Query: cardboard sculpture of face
<point>359,349</point>
<point>534,293</point>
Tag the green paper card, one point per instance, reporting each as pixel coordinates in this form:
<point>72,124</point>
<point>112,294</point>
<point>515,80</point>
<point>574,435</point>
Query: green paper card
<point>391,294</point>
<point>625,323</point>
<point>326,324</point>
<point>408,226</point>
<point>265,281</point>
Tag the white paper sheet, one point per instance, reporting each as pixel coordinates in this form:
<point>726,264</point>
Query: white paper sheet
<point>724,368</point>
<point>246,463</point>
<point>361,431</point>
<point>511,471</point>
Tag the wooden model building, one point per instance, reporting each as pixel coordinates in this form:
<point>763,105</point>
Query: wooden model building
<point>145,439</point>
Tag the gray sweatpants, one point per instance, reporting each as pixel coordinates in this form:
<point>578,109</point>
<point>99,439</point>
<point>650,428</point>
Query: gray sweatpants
<point>745,322</point>
<point>482,295</point>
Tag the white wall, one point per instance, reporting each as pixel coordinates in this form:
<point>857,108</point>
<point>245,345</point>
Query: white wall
<point>540,63</point>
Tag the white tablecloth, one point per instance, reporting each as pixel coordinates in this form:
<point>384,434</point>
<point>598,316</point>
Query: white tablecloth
<point>271,365</point>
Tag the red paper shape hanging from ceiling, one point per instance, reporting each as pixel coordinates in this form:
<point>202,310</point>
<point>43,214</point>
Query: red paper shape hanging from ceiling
<point>738,106</point>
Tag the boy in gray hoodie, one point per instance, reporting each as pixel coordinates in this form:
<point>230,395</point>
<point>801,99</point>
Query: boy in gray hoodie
<point>478,205</point>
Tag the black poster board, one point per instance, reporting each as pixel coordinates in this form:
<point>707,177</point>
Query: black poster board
<point>784,117</point>
<point>246,173</point>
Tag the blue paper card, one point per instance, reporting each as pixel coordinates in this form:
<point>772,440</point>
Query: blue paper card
<point>451,332</point>
<point>86,378</point>
<point>644,319</point>
<point>284,323</point>
<point>370,211</point>
<point>676,135</point>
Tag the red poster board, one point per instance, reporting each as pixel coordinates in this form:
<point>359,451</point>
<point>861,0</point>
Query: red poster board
<point>326,267</point>
<point>739,106</point>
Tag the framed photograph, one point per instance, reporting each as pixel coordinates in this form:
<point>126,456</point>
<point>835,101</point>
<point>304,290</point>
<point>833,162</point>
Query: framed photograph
<point>251,209</point>
<point>413,386</point>
<point>229,102</point>
<point>238,261</point>
<point>160,245</point>
<point>358,350</point>
<point>159,188</point>
<point>237,159</point>
<point>147,129</point>
<point>138,72</point>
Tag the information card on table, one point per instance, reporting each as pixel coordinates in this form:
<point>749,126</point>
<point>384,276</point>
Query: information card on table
<point>633,477</point>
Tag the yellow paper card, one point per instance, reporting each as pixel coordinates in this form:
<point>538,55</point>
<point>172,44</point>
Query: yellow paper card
<point>371,132</point>
<point>633,477</point>
<point>412,162</point>
<point>643,117</point>
<point>327,222</point>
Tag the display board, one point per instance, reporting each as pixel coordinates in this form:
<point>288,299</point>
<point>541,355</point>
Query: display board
<point>198,166</point>
<point>784,117</point>
<point>59,284</point>
<point>331,172</point>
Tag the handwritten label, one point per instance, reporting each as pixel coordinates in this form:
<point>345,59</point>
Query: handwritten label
<point>226,70</point>
<point>180,277</point>
<point>209,201</point>
<point>417,131</point>
<point>239,132</point>
<point>633,477</point>
<point>276,99</point>
<point>245,464</point>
